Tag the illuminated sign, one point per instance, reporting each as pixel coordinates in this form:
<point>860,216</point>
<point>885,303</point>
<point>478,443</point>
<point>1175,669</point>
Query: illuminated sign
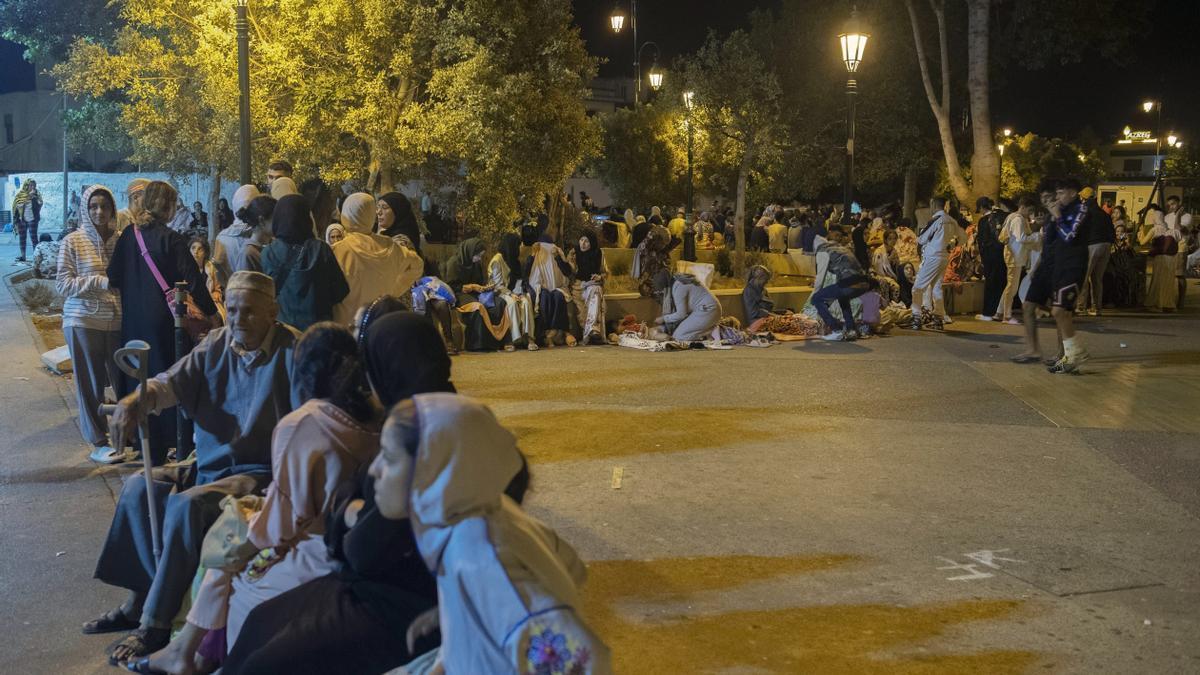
<point>1131,135</point>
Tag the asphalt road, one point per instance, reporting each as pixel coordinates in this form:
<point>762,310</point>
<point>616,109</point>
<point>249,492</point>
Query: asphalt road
<point>904,504</point>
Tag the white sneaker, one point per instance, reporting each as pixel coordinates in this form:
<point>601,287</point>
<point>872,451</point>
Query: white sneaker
<point>947,319</point>
<point>983,317</point>
<point>835,336</point>
<point>1012,322</point>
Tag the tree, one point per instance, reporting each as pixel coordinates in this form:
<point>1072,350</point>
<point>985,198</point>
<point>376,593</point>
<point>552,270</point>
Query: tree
<point>354,89</point>
<point>1048,32</point>
<point>737,99</point>
<point>640,160</point>
<point>895,141</point>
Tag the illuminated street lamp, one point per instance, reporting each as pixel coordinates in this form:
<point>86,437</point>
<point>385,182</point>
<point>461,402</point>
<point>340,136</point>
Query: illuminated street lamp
<point>617,20</point>
<point>854,42</point>
<point>1148,106</point>
<point>1171,138</point>
<point>656,78</point>
<point>242,26</point>
<point>1007,132</point>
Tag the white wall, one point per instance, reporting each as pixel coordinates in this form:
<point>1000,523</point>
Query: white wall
<point>191,188</point>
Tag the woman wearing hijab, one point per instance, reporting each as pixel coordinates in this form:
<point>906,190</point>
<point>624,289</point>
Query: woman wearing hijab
<point>145,314</point>
<point>282,187</point>
<point>504,271</point>
<point>625,230</point>
<point>395,218</point>
<point>91,313</point>
<point>508,586</point>
<point>372,263</point>
<point>382,584</point>
<point>308,280</point>
<point>26,212</point>
<point>1163,241</point>
<point>591,271</point>
<point>548,273</point>
<point>315,448</point>
<point>334,233</point>
<point>231,240</point>
<point>651,261</point>
<point>690,311</point>
<point>485,321</point>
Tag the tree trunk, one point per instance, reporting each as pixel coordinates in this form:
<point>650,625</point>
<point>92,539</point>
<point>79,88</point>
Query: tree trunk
<point>214,196</point>
<point>985,161</point>
<point>379,180</point>
<point>941,109</point>
<point>910,192</point>
<point>739,214</point>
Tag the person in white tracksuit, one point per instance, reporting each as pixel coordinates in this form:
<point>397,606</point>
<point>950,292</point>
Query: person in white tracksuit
<point>934,260</point>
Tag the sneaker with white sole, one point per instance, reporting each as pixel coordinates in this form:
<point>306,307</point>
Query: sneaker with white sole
<point>1012,322</point>
<point>1069,363</point>
<point>105,454</point>
<point>984,317</point>
<point>835,336</point>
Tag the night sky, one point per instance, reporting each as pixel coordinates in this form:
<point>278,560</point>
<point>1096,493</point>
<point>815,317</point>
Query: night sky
<point>1053,102</point>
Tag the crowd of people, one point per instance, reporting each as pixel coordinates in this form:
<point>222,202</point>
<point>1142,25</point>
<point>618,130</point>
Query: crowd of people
<point>380,508</point>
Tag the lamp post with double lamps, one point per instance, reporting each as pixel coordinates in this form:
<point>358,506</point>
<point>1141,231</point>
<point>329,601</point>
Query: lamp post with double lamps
<point>617,20</point>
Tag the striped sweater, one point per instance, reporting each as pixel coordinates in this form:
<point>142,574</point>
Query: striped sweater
<point>83,278</point>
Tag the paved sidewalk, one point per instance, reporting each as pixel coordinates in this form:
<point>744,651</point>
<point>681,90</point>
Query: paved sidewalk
<point>55,508</point>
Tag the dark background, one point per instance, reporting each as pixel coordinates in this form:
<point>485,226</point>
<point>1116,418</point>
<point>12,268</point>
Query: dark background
<point>1059,101</point>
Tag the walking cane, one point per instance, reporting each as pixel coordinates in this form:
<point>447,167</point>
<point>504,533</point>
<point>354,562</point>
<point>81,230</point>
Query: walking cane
<point>183,439</point>
<point>134,359</point>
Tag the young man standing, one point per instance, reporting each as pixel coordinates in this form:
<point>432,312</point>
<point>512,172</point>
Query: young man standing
<point>991,251</point>
<point>934,260</point>
<point>277,169</point>
<point>1057,280</point>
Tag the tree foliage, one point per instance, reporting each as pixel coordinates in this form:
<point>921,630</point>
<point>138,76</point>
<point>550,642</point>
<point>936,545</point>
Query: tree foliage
<point>737,105</point>
<point>484,93</point>
<point>640,159</point>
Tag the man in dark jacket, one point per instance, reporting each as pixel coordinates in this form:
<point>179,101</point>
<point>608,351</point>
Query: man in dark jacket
<point>849,282</point>
<point>991,254</point>
<point>1101,236</point>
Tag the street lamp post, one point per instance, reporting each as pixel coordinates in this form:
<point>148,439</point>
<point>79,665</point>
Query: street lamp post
<point>1000,189</point>
<point>853,41</point>
<point>689,235</point>
<point>1147,107</point>
<point>243,56</point>
<point>617,21</point>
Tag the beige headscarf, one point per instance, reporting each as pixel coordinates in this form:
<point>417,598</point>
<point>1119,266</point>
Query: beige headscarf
<point>282,187</point>
<point>358,213</point>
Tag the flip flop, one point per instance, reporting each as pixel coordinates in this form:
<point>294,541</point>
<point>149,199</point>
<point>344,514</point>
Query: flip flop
<point>143,666</point>
<point>1025,358</point>
<point>141,642</point>
<point>112,622</point>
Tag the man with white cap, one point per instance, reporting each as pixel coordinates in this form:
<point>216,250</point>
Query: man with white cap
<point>235,385</point>
<point>133,193</point>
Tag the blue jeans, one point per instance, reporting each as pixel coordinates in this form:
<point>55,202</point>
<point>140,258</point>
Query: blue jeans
<point>842,294</point>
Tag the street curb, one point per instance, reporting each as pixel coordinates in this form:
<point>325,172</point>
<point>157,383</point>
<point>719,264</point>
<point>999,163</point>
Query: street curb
<point>63,385</point>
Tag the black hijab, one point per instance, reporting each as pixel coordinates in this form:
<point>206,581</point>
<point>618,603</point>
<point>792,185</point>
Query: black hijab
<point>510,251</point>
<point>461,268</point>
<point>405,356</point>
<point>406,220</point>
<point>292,220</point>
<point>588,262</point>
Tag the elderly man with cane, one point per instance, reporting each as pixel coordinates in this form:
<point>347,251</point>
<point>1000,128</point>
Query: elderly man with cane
<point>235,385</point>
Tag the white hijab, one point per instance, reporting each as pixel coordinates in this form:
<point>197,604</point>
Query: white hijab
<point>241,199</point>
<point>502,575</point>
<point>545,272</point>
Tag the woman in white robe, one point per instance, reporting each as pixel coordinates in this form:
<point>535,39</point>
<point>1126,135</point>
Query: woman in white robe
<point>504,271</point>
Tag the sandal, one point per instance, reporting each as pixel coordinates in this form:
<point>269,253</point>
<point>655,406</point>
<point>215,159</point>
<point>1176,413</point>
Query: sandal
<point>143,666</point>
<point>139,643</point>
<point>110,622</point>
<point>1025,358</point>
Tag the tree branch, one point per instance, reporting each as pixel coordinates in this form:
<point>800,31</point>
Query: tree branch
<point>922,61</point>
